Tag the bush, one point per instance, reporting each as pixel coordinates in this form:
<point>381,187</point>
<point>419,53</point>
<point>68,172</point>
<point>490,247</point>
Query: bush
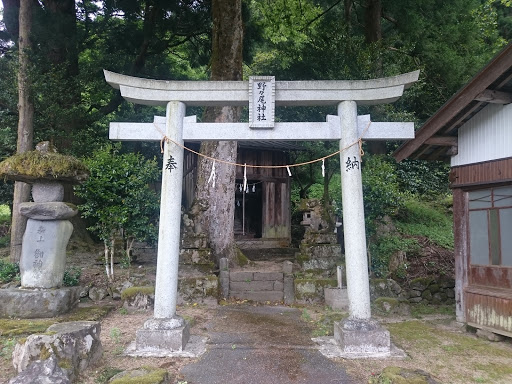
<point>9,271</point>
<point>72,277</point>
<point>118,198</point>
<point>382,196</point>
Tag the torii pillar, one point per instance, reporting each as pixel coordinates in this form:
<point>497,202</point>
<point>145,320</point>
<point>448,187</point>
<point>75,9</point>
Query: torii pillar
<point>359,335</point>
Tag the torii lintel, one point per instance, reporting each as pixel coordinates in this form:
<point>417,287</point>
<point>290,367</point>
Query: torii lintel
<point>287,93</point>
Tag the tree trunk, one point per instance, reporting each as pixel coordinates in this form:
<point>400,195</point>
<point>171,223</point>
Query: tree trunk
<point>373,34</point>
<point>25,126</point>
<point>226,64</point>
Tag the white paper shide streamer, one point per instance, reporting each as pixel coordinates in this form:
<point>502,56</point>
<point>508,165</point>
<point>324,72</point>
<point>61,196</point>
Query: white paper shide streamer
<point>245,177</point>
<point>212,175</point>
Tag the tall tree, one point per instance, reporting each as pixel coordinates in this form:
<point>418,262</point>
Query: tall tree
<point>226,64</point>
<point>25,124</point>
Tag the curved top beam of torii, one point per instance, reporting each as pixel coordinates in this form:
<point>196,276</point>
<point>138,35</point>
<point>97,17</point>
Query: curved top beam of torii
<point>287,93</point>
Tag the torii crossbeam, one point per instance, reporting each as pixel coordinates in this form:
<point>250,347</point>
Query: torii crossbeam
<point>165,332</point>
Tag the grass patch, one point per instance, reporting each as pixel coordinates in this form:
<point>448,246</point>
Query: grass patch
<point>325,325</point>
<point>17,327</point>
<point>418,334</point>
<point>419,310</point>
<point>106,374</point>
<point>428,219</point>
<point>93,313</point>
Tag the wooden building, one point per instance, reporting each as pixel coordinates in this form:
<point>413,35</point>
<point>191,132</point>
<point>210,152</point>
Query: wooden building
<point>262,210</point>
<point>473,130</point>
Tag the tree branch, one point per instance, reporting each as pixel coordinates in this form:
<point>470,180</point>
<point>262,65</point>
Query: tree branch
<point>320,15</point>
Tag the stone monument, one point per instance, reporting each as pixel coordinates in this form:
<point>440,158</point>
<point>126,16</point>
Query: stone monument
<point>43,255</point>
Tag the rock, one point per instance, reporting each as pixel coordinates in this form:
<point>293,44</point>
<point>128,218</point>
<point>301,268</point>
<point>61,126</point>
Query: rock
<point>404,375</point>
<point>11,284</point>
<point>32,303</point>
<point>75,345</point>
<point>97,293</point>
<point>43,255</point>
<point>420,283</point>
<point>84,291</point>
<point>43,192</point>
<point>384,288</point>
<point>52,210</point>
<point>287,267</point>
<point>139,297</point>
<point>42,372</point>
<point>427,295</point>
<point>142,375</point>
<point>487,335</point>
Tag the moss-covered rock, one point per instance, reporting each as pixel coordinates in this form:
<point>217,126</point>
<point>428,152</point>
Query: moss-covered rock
<point>35,165</point>
<point>398,375</point>
<point>141,376</point>
<point>421,283</point>
<point>386,304</point>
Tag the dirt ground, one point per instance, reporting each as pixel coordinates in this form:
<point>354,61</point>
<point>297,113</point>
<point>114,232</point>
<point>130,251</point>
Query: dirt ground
<point>432,340</point>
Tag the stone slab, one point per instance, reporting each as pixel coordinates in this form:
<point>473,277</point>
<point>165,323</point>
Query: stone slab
<point>268,276</point>
<point>52,210</point>
<point>336,298</point>
<point>258,295</point>
<point>32,304</point>
<point>329,347</point>
<point>278,285</point>
<point>43,253</point>
<point>161,341</point>
<point>288,290</point>
<point>251,286</point>
<point>241,276</point>
<point>360,337</point>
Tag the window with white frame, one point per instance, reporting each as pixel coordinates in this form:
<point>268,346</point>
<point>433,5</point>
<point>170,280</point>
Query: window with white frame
<point>490,226</point>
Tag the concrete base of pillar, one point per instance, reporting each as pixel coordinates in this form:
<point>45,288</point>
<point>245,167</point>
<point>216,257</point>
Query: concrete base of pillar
<point>162,336</point>
<point>362,338</point>
<point>336,298</point>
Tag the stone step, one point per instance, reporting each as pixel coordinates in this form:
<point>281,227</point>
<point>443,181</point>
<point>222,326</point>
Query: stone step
<point>247,276</point>
<point>260,296</point>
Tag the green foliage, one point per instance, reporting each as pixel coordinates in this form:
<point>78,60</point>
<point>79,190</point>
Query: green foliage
<point>9,271</point>
<point>428,178</point>
<point>384,247</point>
<point>429,219</point>
<point>117,195</point>
<point>5,214</point>
<point>72,276</point>
<point>381,191</point>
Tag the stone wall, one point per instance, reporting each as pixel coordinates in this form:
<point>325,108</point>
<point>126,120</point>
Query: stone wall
<point>426,290</point>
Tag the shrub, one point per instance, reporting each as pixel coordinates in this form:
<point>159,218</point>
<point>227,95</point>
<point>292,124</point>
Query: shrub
<point>118,198</point>
<point>72,276</point>
<point>9,271</point>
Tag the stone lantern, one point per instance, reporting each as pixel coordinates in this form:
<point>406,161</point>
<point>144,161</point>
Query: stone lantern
<point>43,254</point>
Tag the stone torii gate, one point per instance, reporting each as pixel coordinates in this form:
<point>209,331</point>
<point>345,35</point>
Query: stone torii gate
<point>166,331</point>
